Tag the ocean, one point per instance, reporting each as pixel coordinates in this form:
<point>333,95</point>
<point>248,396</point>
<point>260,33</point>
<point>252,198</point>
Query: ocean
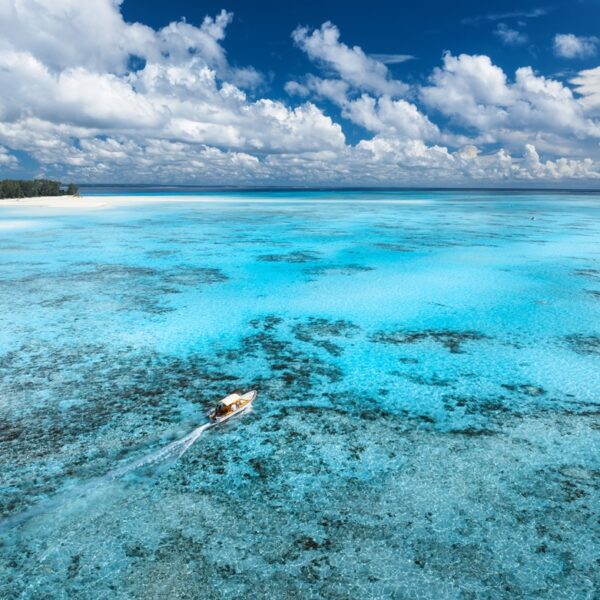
<point>428,415</point>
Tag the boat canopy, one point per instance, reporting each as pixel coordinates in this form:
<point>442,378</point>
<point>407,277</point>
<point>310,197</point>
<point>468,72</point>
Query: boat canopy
<point>229,400</point>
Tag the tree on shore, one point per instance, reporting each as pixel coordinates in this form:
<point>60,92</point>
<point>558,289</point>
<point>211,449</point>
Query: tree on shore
<point>24,188</point>
<point>72,190</point>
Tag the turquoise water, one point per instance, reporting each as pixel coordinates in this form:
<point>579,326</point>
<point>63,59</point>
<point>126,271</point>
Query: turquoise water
<point>427,425</point>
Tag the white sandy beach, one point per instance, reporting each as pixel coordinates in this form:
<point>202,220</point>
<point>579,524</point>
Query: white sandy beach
<point>97,202</point>
<point>106,202</point>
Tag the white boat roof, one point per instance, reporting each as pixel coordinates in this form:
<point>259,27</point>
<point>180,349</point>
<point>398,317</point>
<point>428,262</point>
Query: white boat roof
<point>229,400</point>
<point>232,398</point>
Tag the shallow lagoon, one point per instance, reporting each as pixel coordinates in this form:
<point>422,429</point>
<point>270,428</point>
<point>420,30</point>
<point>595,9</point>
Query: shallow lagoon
<point>428,421</point>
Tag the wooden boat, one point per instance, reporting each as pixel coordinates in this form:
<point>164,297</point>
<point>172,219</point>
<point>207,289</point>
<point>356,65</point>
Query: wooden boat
<point>232,405</point>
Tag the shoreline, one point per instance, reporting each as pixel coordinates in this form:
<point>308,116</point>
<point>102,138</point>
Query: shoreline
<point>107,202</point>
<point>94,202</point>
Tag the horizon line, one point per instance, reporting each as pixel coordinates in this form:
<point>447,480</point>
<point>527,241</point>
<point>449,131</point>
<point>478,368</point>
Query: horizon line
<point>285,188</point>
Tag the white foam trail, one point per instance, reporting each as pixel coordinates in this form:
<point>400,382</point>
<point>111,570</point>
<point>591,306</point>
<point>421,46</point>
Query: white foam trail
<point>175,449</point>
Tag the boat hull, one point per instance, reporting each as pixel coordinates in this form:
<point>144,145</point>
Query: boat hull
<point>247,404</point>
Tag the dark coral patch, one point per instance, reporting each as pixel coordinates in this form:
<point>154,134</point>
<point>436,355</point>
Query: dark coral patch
<point>473,405</point>
<point>325,327</point>
<point>107,272</point>
<point>298,256</point>
<point>584,344</point>
<point>290,366</point>
<point>268,323</point>
<point>122,287</point>
<point>473,432</point>
<point>160,253</point>
<point>589,273</point>
<point>450,339</point>
<point>316,331</point>
<point>349,269</point>
<point>393,247</point>
<point>59,301</point>
<point>527,389</point>
<point>193,276</point>
<point>432,380</point>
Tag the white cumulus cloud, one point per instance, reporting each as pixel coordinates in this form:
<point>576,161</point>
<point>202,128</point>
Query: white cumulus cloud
<point>397,117</point>
<point>352,65</point>
<point>60,95</point>
<point>7,159</point>
<point>476,94</point>
<point>587,84</point>
<point>568,45</point>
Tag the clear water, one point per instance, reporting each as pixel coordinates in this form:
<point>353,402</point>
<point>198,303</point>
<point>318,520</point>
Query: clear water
<point>427,425</point>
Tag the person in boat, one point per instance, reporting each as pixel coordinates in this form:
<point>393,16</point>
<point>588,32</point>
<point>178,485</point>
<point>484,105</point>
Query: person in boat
<point>222,410</point>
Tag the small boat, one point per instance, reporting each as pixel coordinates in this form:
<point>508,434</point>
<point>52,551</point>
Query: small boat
<point>232,405</point>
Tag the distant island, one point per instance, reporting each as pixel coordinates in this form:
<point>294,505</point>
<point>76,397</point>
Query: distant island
<point>32,188</point>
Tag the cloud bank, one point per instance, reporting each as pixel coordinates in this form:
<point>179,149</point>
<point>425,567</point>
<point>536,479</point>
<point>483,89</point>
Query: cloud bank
<point>134,104</point>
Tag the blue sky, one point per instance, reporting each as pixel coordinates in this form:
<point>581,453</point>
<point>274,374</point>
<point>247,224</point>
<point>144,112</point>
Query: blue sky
<point>309,93</point>
<point>260,32</point>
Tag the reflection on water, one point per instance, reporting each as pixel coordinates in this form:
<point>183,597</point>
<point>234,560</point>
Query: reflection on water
<point>427,422</point>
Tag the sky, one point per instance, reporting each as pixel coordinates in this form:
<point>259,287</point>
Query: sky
<point>311,93</point>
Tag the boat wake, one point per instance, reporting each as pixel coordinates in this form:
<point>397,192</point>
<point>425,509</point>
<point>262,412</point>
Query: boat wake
<point>173,451</point>
<point>159,457</point>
